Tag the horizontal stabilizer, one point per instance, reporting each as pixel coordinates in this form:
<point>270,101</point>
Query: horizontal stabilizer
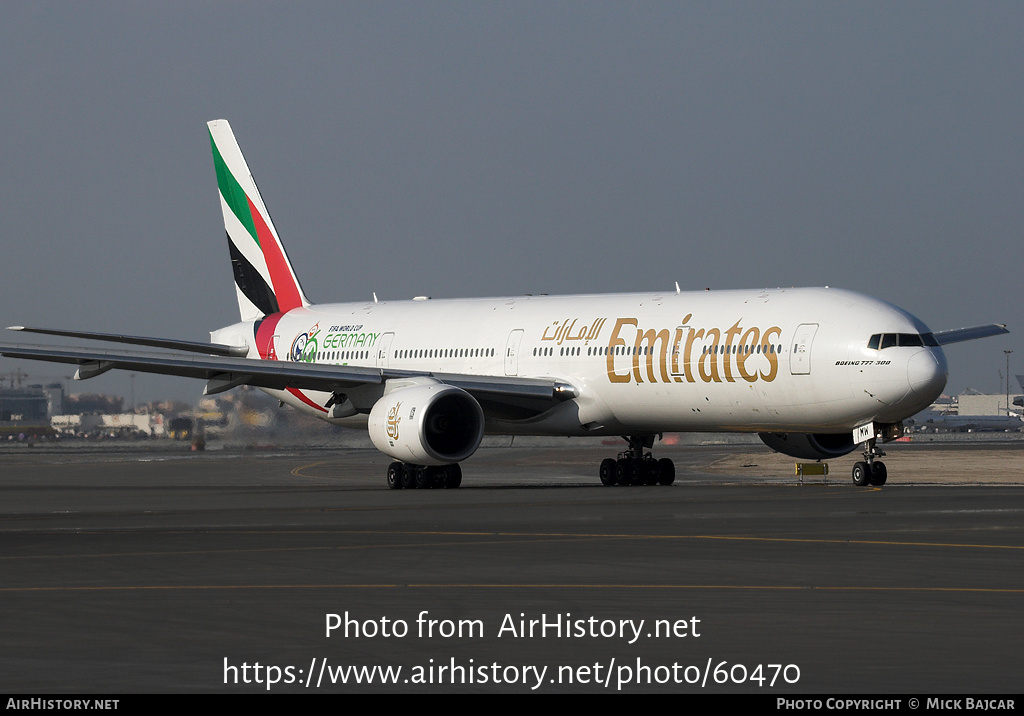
<point>217,349</point>
<point>969,334</point>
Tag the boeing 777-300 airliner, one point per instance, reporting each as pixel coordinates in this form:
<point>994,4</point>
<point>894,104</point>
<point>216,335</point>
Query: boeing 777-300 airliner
<point>814,371</point>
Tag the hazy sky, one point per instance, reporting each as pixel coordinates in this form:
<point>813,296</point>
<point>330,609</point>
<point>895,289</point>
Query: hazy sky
<point>481,148</point>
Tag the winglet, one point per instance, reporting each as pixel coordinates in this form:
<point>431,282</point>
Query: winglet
<point>969,334</point>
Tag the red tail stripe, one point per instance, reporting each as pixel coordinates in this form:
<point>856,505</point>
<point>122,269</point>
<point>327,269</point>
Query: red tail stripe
<point>285,288</point>
<point>265,337</point>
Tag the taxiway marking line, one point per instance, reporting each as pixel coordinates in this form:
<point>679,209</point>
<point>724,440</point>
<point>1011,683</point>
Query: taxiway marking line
<point>497,538</point>
<point>741,587</point>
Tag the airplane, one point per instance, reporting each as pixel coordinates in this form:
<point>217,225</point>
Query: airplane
<point>815,372</point>
<point>973,423</point>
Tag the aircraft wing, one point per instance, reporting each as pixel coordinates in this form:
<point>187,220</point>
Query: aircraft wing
<point>224,372</point>
<point>969,334</point>
<point>219,349</point>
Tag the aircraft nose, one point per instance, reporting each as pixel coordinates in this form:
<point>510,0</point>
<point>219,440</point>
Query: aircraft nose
<point>926,372</point>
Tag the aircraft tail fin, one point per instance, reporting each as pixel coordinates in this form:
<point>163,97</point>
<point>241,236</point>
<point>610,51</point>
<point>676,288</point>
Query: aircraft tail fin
<point>264,279</point>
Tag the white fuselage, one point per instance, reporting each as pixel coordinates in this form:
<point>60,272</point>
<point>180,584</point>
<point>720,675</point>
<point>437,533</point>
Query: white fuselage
<point>758,360</point>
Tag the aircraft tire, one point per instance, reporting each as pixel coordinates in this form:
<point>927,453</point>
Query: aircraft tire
<point>424,477</point>
<point>607,471</point>
<point>878,473</point>
<point>637,471</point>
<point>395,470</point>
<point>861,474</point>
<point>408,476</point>
<point>624,472</point>
<point>453,476</point>
<point>666,471</point>
<point>649,472</point>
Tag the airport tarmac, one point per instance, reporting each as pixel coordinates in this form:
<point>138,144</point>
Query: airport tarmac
<point>128,572</point>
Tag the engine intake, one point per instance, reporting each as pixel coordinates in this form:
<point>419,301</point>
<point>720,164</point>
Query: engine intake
<point>429,424</point>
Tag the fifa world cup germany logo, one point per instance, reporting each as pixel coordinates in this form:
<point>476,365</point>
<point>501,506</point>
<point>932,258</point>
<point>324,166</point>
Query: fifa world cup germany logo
<point>393,421</point>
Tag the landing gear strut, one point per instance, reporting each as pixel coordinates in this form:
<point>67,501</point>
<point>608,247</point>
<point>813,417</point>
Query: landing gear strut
<point>870,471</point>
<point>403,475</point>
<point>635,467</point>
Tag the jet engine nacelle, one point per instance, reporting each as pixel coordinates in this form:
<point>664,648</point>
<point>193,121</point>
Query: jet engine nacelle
<point>806,446</point>
<point>427,424</point>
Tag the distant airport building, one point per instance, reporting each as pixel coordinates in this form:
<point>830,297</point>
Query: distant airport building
<point>22,405</point>
<point>32,405</point>
<point>151,424</point>
<point>981,404</point>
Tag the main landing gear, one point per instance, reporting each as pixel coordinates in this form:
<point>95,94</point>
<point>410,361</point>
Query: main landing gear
<point>403,475</point>
<point>870,471</point>
<point>635,467</point>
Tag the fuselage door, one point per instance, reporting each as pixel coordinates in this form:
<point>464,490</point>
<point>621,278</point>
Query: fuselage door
<point>384,350</point>
<point>800,357</point>
<point>512,352</point>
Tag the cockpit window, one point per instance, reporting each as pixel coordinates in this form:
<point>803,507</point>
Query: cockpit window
<point>880,341</point>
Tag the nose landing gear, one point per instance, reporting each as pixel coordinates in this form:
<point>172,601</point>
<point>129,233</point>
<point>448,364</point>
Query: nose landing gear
<point>870,471</point>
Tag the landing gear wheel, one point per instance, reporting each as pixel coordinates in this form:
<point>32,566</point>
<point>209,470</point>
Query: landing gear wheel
<point>637,472</point>
<point>608,471</point>
<point>453,476</point>
<point>878,473</point>
<point>408,476</point>
<point>424,477</point>
<point>872,470</point>
<point>861,474</point>
<point>395,470</point>
<point>624,472</point>
<point>651,472</point>
<point>666,471</point>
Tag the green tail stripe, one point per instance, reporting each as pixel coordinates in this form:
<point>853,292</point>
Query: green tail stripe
<point>232,192</point>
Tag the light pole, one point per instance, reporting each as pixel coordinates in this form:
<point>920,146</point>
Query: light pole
<point>1007,382</point>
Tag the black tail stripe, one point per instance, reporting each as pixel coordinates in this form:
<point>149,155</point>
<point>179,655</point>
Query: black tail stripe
<point>250,283</point>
